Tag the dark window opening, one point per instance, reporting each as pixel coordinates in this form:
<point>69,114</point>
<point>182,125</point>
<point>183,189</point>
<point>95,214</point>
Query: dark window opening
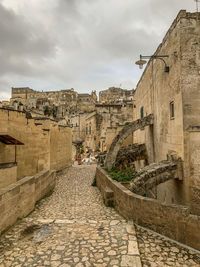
<point>172,110</point>
<point>141,113</point>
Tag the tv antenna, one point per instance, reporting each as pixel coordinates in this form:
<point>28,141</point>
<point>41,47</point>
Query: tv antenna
<point>197,5</point>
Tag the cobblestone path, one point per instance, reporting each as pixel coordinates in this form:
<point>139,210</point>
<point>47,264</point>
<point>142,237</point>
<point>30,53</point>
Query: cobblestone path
<point>72,227</point>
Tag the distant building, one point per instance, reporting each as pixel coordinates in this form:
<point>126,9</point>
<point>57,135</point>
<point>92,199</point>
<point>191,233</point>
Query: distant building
<point>59,103</point>
<point>102,125</point>
<point>116,95</point>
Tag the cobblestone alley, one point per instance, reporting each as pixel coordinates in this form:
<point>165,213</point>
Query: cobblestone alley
<point>72,227</point>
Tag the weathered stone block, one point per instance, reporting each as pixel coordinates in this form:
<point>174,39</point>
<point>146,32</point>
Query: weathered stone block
<point>108,196</point>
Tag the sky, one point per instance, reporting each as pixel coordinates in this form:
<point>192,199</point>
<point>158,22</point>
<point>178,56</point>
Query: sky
<point>82,44</point>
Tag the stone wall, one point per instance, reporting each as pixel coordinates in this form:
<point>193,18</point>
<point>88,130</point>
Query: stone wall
<point>60,147</point>
<point>92,135</point>
<point>18,199</point>
<point>194,167</point>
<point>180,86</point>
<point>190,84</point>
<point>46,144</point>
<point>173,221</point>
<point>8,174</point>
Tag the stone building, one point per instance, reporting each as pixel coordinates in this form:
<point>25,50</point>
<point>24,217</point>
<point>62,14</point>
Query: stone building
<point>4,103</point>
<point>104,123</point>
<point>77,109</point>
<point>57,103</point>
<point>116,95</point>
<point>78,123</point>
<point>86,102</point>
<point>46,145</point>
<point>174,100</point>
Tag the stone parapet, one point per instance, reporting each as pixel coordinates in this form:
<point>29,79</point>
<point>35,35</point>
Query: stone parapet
<point>18,199</point>
<point>173,221</point>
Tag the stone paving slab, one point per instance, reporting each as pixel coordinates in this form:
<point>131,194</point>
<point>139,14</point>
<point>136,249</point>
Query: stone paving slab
<point>72,227</point>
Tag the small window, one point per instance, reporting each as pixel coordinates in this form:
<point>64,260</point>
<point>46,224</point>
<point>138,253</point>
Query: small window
<point>141,113</point>
<point>90,129</point>
<point>172,110</point>
<point>86,130</point>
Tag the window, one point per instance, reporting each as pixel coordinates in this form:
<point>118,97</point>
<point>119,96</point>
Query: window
<point>172,110</point>
<point>90,129</point>
<point>141,113</point>
<point>86,130</point>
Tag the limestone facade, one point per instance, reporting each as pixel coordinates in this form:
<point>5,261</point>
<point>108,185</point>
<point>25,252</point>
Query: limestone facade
<point>104,123</point>
<point>72,109</point>
<point>54,103</point>
<point>174,100</point>
<point>116,95</point>
<point>47,145</point>
<point>8,174</point>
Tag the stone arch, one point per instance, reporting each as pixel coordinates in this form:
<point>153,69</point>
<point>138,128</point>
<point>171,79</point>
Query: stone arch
<point>122,135</point>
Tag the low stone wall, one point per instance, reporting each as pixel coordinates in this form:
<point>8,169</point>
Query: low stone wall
<point>173,221</point>
<point>18,199</point>
<point>8,174</point>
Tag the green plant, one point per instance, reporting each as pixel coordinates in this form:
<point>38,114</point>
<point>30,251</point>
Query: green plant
<point>124,175</point>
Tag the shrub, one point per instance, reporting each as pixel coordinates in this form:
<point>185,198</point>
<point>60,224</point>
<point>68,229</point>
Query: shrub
<point>124,175</point>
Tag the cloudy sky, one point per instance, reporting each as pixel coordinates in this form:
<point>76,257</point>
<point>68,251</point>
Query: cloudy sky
<point>81,44</point>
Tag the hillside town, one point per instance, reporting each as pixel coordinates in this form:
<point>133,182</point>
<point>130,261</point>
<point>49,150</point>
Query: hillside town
<point>109,178</point>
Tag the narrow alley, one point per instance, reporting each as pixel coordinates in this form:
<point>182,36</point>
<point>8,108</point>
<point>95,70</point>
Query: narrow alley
<point>72,227</point>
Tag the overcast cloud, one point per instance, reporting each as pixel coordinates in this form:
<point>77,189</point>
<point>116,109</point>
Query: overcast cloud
<point>81,44</point>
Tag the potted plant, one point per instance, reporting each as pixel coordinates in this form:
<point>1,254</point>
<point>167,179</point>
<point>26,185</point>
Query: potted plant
<point>79,159</point>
